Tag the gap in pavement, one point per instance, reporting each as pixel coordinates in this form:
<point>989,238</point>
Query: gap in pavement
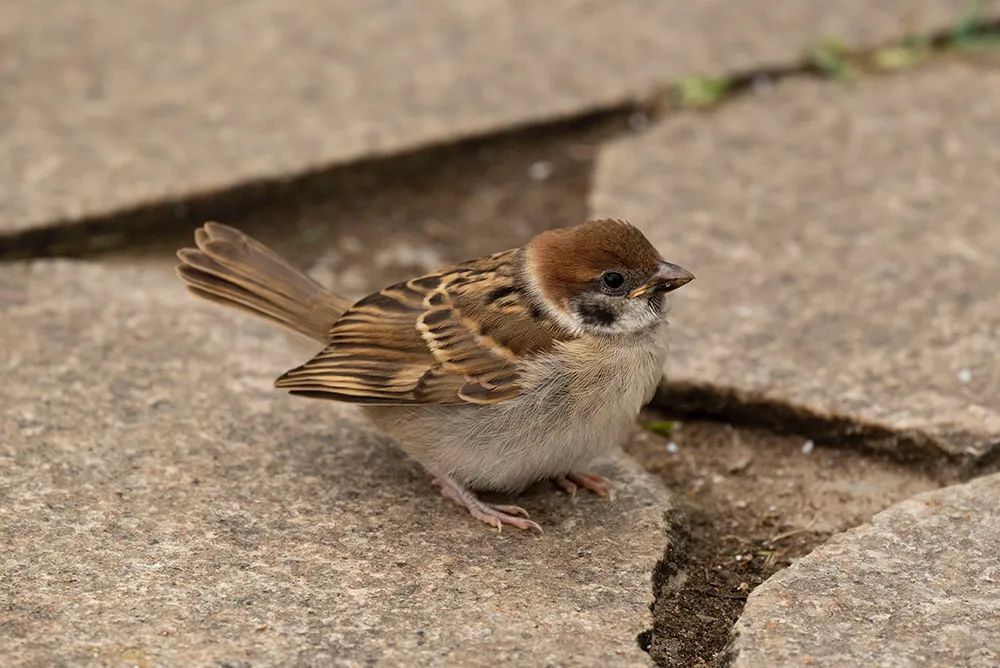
<point>263,201</point>
<point>468,198</point>
<point>690,401</point>
<point>833,60</point>
<point>747,503</point>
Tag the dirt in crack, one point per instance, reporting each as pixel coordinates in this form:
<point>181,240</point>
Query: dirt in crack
<point>750,502</point>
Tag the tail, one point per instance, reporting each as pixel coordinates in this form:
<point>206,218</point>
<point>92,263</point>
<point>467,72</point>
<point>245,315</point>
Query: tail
<point>233,269</point>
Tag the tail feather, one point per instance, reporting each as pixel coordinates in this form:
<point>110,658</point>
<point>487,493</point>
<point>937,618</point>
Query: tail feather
<point>236,270</point>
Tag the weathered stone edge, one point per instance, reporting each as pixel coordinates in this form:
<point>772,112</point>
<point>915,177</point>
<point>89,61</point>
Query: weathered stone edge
<point>965,454</point>
<point>730,654</point>
<point>221,199</point>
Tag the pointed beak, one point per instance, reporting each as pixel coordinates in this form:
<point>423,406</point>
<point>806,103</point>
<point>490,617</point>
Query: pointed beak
<point>668,278</point>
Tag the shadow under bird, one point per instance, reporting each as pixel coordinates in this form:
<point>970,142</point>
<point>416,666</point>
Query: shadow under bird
<point>492,373</point>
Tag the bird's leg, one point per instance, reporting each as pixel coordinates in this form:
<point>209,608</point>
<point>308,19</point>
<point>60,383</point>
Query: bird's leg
<point>588,481</point>
<point>494,514</point>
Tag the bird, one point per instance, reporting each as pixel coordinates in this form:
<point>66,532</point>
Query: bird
<point>494,373</point>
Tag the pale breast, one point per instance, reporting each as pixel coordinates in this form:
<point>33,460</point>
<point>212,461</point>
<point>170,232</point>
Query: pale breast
<point>577,402</point>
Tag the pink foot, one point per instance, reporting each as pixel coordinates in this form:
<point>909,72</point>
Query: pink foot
<point>494,514</point>
<point>588,481</point>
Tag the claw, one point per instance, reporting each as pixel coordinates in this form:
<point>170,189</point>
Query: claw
<point>510,510</point>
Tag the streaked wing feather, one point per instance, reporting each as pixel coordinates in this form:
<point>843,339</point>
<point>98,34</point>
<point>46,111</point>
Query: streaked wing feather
<point>451,337</point>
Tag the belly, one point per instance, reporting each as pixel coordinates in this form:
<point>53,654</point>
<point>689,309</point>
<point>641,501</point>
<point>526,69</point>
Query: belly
<point>575,405</point>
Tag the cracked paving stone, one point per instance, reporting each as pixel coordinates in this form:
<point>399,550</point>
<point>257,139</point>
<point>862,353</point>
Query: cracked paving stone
<point>919,586</point>
<point>106,106</point>
<point>844,239</point>
<point>162,504</point>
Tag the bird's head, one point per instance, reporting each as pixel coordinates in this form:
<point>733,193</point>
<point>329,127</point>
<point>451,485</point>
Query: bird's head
<point>601,277</point>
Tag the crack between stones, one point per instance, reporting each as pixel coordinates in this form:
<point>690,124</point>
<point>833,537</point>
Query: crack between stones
<point>827,59</point>
<point>693,543</point>
<point>117,230</point>
<point>675,557</point>
<point>705,401</point>
<point>128,227</point>
<point>748,503</point>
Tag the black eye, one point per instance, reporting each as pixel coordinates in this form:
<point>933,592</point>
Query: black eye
<point>613,280</point>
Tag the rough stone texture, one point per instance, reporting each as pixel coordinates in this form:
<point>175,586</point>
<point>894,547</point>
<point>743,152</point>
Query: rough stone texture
<point>919,586</point>
<point>106,105</point>
<point>161,504</point>
<point>844,240</point>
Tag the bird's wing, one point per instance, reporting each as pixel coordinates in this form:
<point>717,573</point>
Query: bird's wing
<point>452,337</point>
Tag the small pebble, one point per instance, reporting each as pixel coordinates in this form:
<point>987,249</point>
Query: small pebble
<point>673,448</point>
<point>540,171</point>
<point>965,376</point>
<point>808,447</point>
<point>741,464</point>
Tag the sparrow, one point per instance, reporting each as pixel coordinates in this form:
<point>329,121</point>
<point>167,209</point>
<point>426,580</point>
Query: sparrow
<point>493,373</point>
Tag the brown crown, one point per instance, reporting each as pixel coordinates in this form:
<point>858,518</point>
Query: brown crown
<point>566,260</point>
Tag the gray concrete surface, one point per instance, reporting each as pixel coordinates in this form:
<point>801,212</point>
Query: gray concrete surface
<point>919,586</point>
<point>161,504</point>
<point>106,105</point>
<point>844,240</point>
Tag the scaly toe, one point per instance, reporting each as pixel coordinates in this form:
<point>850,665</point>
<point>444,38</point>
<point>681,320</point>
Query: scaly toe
<point>494,514</point>
<point>593,483</point>
<point>566,485</point>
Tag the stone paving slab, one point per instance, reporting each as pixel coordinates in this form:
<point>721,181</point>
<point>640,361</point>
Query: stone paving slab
<point>845,243</point>
<point>919,586</point>
<point>161,504</point>
<point>106,105</point>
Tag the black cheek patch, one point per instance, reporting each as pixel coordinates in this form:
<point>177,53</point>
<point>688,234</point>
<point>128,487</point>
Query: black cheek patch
<point>596,314</point>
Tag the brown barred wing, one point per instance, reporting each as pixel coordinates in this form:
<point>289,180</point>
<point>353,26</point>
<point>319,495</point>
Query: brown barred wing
<point>446,338</point>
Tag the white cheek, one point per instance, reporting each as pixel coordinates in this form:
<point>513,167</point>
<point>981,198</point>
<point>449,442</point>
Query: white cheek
<point>637,315</point>
<point>568,319</point>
